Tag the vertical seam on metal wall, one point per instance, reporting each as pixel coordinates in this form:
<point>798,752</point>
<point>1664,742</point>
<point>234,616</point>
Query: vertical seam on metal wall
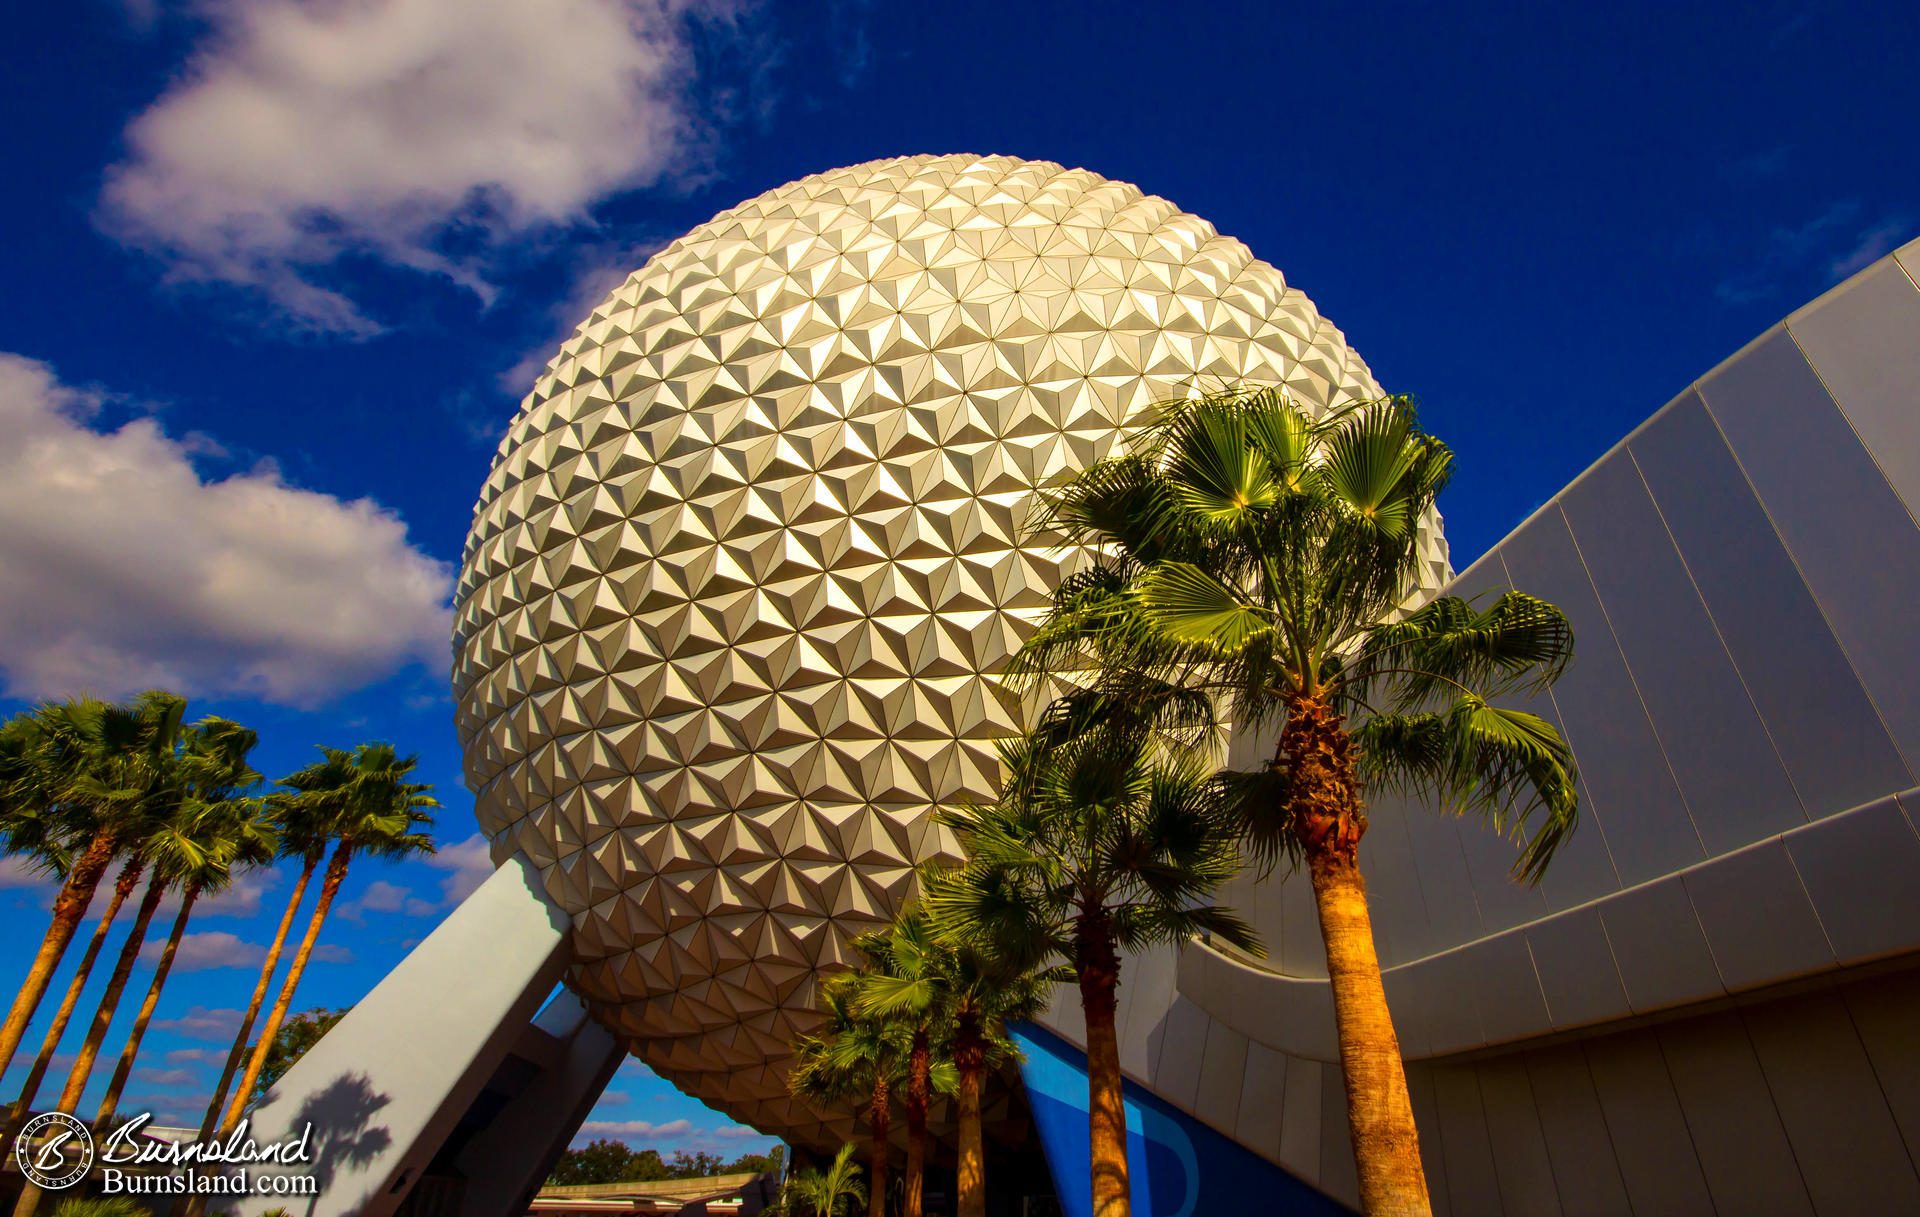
<point>1493,1159</point>
<point>1813,593</point>
<point>1546,1147</point>
<point>1786,327</point>
<point>1719,637</point>
<point>1621,651</point>
<point>1613,1147</point>
<point>1846,1007</point>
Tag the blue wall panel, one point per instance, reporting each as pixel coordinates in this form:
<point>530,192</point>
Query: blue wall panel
<point>1178,1166</point>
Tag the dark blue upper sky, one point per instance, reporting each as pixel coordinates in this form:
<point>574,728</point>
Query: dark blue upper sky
<point>1542,220</point>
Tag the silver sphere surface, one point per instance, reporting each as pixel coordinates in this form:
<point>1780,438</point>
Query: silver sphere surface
<point>753,550</point>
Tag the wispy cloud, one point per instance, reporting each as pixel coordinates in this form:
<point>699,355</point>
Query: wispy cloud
<point>383,897</point>
<point>242,898</point>
<point>1873,244</point>
<point>211,949</point>
<point>636,1128</point>
<point>168,1110</point>
<point>1826,248</point>
<point>470,865</point>
<point>202,1023</point>
<point>594,271</point>
<point>426,134</point>
<point>17,872</point>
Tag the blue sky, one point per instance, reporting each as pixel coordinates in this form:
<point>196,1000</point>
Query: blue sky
<point>277,274</point>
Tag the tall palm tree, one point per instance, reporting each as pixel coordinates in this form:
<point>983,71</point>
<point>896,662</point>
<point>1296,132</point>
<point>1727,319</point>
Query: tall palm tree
<point>974,988</point>
<point>123,887</point>
<point>169,827</point>
<point>369,808</point>
<point>1101,841</point>
<point>74,782</point>
<point>230,830</point>
<point>833,1192</point>
<point>856,1060</point>
<point>1255,552</point>
<point>302,827</point>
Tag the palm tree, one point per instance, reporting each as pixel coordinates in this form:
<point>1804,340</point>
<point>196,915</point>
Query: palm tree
<point>23,1105</point>
<point>900,955</point>
<point>833,1192</point>
<point>1255,552</point>
<point>856,1060</point>
<point>72,773</point>
<point>368,808</point>
<point>302,827</point>
<point>1101,841</point>
<point>932,979</point>
<point>230,829</point>
<point>167,822</point>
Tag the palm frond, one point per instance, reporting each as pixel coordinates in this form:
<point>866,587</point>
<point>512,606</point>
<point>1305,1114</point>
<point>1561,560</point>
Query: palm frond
<point>1519,644</point>
<point>1191,606</point>
<point>1503,766</point>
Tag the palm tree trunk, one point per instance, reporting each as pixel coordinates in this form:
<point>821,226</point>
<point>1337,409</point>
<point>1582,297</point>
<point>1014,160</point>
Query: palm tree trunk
<point>272,962</point>
<point>970,1059</point>
<point>1326,814</point>
<point>132,1050</point>
<point>185,1205</point>
<point>68,908</point>
<point>919,1094</point>
<point>102,1018</point>
<point>329,888</point>
<point>879,1119</point>
<point>122,888</point>
<point>1098,964</point>
<point>1386,1142</point>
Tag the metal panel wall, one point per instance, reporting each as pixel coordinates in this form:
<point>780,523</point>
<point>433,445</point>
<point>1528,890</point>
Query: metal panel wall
<point>1743,577</point>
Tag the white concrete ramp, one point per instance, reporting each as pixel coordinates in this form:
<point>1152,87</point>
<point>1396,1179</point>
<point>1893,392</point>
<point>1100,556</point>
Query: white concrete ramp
<point>442,1073</point>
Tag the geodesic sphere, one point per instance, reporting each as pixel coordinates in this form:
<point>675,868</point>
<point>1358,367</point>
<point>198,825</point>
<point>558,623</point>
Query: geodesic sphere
<point>752,552</point>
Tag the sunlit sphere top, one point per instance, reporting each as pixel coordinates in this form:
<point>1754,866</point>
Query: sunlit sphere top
<point>752,552</point>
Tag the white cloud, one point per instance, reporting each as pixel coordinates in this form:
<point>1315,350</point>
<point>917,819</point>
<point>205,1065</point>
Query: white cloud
<point>1836,241</point>
<point>299,133</point>
<point>332,952</point>
<point>18,872</point>
<point>383,897</point>
<point>470,863</point>
<point>240,899</point>
<point>168,1110</point>
<point>197,1056</point>
<point>122,569</point>
<point>201,1023</point>
<point>212,949</point>
<point>1870,246</point>
<point>615,1098</point>
<point>595,272</point>
<point>635,1128</point>
<point>170,1079</point>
